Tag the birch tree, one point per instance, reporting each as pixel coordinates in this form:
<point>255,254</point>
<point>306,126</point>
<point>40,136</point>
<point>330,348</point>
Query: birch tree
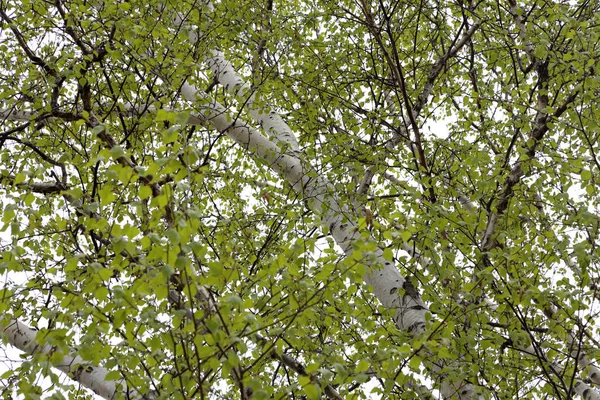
<point>262,199</point>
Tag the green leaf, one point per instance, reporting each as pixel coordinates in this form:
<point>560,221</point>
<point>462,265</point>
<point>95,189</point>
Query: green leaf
<point>362,366</point>
<point>20,178</point>
<point>170,134</point>
<point>164,115</point>
<point>98,129</point>
<point>388,255</point>
<point>406,236</point>
<point>101,293</point>
<point>182,118</point>
<point>312,391</point>
<point>586,175</point>
<point>113,376</point>
<point>105,274</point>
<point>173,236</point>
<point>145,192</point>
<point>117,152</point>
<point>200,227</point>
<point>415,363</point>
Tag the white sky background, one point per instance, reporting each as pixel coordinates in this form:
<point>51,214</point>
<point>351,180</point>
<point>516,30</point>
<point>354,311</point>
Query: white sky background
<point>9,359</point>
<point>11,356</point>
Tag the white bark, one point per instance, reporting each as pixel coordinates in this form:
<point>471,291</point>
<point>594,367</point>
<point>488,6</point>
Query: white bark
<point>383,275</point>
<point>583,361</point>
<point>283,155</point>
<point>227,76</point>
<point>268,119</point>
<point>337,219</point>
<point>586,391</point>
<point>23,338</point>
<point>17,115</point>
<point>385,278</point>
<point>388,285</point>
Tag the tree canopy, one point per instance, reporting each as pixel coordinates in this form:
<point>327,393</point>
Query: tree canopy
<point>253,199</point>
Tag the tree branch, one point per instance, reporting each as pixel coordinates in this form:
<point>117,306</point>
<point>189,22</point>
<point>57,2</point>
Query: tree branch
<point>92,377</point>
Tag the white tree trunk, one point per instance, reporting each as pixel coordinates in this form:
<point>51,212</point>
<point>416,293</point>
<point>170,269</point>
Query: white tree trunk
<point>23,338</point>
